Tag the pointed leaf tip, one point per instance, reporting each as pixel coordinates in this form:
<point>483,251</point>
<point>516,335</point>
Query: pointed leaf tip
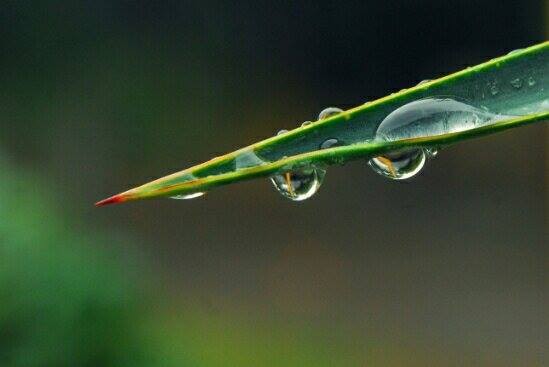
<point>112,200</point>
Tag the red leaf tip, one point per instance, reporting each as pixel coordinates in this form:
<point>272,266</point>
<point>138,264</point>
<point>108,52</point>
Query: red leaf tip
<point>112,200</point>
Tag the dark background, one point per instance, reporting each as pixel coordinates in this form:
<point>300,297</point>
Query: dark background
<point>449,269</point>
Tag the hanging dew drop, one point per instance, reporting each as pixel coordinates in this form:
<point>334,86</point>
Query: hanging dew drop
<point>188,177</point>
<point>399,165</point>
<point>194,195</point>
<point>299,184</point>
<point>329,112</point>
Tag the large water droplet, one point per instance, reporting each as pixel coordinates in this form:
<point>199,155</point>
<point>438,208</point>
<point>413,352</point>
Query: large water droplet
<point>299,184</point>
<point>433,116</point>
<point>399,165</point>
<point>329,112</point>
<point>188,196</point>
<point>426,117</point>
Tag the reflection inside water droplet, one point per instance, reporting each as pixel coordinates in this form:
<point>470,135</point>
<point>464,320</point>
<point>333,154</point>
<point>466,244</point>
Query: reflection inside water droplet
<point>188,196</point>
<point>399,165</point>
<point>299,184</point>
<point>329,112</point>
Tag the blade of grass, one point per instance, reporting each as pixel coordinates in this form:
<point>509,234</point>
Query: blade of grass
<point>489,84</point>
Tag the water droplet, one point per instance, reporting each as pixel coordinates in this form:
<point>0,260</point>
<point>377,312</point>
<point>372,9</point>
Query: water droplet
<point>516,83</point>
<point>433,116</point>
<point>283,131</point>
<point>306,123</point>
<point>246,159</point>
<point>531,81</point>
<point>399,165</point>
<point>329,112</point>
<point>515,51</point>
<point>425,117</point>
<point>431,152</point>
<point>299,184</point>
<point>424,81</point>
<point>188,196</point>
<point>329,143</point>
<point>494,89</point>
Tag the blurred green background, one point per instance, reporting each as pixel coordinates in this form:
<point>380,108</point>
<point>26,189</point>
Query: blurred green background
<point>449,269</point>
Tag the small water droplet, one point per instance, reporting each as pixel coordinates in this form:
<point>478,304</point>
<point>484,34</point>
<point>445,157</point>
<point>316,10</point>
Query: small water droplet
<point>329,112</point>
<point>306,123</point>
<point>399,165</point>
<point>299,184</point>
<point>494,89</point>
<point>329,143</point>
<point>246,159</point>
<point>531,81</point>
<point>283,131</point>
<point>424,81</point>
<point>188,196</point>
<point>431,152</point>
<point>515,51</point>
<point>516,83</point>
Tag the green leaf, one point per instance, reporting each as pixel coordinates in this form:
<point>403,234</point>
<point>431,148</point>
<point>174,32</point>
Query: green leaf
<point>515,88</point>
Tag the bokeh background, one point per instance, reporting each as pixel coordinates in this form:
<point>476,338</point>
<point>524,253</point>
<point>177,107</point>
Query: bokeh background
<point>449,269</point>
